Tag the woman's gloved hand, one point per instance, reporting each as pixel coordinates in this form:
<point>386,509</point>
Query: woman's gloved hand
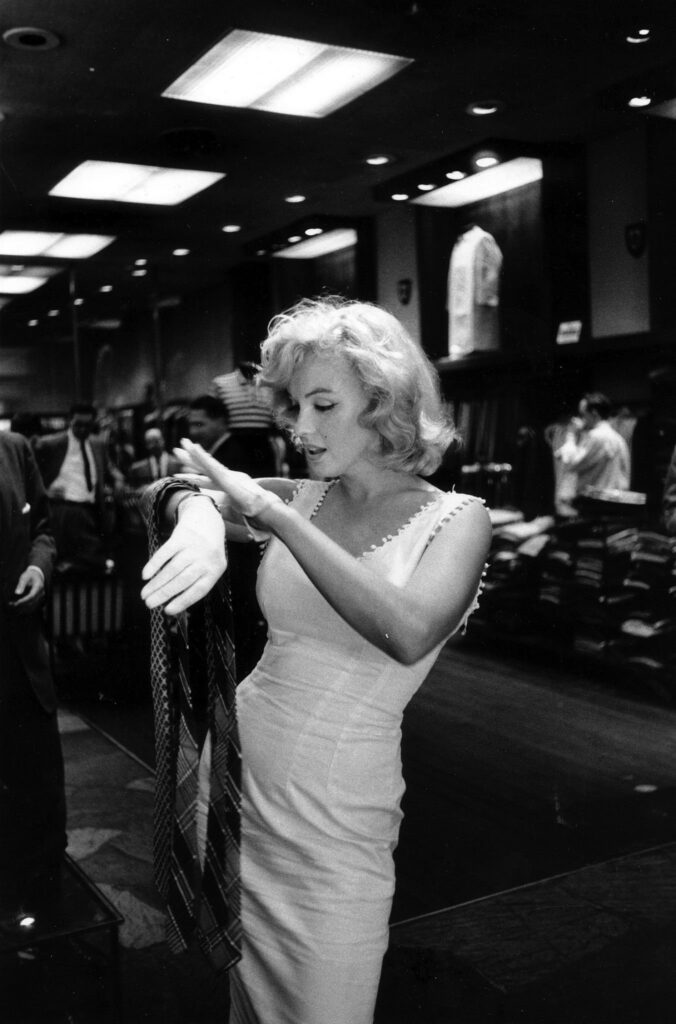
<point>188,565</point>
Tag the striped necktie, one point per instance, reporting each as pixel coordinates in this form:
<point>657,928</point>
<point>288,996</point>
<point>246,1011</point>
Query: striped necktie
<point>193,684</point>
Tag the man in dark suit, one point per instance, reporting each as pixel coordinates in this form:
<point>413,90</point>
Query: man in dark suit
<point>77,472</point>
<point>32,800</point>
<point>208,426</point>
<point>157,464</point>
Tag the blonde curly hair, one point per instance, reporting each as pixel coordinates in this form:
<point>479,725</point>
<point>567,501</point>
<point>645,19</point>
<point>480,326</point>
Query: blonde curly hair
<point>402,387</point>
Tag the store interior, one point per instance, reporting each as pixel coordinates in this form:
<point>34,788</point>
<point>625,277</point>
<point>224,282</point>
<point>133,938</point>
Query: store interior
<point>537,858</point>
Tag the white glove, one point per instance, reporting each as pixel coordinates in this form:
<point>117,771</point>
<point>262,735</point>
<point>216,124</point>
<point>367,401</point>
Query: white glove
<point>188,565</point>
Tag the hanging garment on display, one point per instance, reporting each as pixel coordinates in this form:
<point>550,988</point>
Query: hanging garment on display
<point>473,293</point>
<point>193,684</point>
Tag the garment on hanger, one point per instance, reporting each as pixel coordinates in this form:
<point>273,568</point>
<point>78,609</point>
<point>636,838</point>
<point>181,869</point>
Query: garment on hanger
<point>473,293</point>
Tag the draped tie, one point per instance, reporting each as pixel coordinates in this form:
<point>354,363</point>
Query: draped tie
<point>193,685</point>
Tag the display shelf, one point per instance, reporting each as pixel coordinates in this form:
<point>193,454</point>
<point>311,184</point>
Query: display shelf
<point>599,591</point>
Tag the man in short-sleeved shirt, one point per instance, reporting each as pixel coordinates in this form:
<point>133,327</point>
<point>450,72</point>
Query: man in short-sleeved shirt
<point>598,454</point>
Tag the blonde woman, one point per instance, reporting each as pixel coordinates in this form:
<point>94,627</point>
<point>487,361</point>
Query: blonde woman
<point>368,571</point>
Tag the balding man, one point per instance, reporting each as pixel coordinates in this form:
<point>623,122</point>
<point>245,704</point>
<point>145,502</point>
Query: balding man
<point>157,464</point>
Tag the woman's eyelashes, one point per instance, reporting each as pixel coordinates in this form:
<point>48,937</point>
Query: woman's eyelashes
<point>293,409</point>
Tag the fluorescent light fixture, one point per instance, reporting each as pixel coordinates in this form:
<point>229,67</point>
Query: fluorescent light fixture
<point>231,229</point>
<point>455,175</point>
<point>282,75</point>
<point>665,109</point>
<point>640,101</point>
<point>426,187</point>
<point>486,161</point>
<point>523,170</point>
<point>310,232</point>
<point>181,252</point>
<point>378,160</point>
<point>106,288</point>
<point>21,281</point>
<point>400,197</point>
<point>294,199</point>
<point>330,241</point>
<point>50,243</point>
<point>133,183</point>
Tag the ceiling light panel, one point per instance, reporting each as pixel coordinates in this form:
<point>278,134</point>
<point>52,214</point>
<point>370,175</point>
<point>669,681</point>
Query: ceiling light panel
<point>21,281</point>
<point>492,182</point>
<point>49,243</point>
<point>282,75</point>
<point>320,245</point>
<point>133,183</point>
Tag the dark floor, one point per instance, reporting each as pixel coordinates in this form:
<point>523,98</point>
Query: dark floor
<point>537,862</point>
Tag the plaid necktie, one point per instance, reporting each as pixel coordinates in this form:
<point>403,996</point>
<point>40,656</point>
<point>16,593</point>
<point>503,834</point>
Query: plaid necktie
<point>193,684</point>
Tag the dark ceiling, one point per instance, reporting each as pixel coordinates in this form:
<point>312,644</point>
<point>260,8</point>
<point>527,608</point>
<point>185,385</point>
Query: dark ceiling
<point>563,72</point>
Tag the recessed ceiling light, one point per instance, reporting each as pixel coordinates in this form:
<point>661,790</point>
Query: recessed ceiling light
<point>181,252</point>
<point>53,312</point>
<point>641,36</point>
<point>483,108</point>
<point>426,187</point>
<point>640,101</point>
<point>52,243</point>
<point>400,197</point>
<point>282,75</point>
<point>294,199</point>
<point>141,272</point>
<point>141,262</point>
<point>379,159</point>
<point>231,229</point>
<point>486,161</point>
<point>455,175</point>
<point>29,38</point>
<point>33,323</point>
<point>313,231</point>
<point>133,183</point>
<point>329,241</point>
<point>106,288</point>
<point>78,302</point>
<point>491,182</point>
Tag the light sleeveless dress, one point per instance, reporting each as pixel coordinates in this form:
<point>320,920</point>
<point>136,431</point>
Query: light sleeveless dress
<point>320,727</point>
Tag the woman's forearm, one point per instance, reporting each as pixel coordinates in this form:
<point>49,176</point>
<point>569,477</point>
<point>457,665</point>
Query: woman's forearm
<point>405,623</point>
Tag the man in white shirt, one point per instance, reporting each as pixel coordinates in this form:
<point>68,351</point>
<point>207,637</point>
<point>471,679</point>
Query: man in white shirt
<point>76,470</point>
<point>597,453</point>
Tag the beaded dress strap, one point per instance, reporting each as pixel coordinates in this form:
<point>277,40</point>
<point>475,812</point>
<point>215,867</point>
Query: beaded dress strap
<point>465,501</point>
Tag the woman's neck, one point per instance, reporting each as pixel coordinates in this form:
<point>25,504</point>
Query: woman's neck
<point>373,483</point>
